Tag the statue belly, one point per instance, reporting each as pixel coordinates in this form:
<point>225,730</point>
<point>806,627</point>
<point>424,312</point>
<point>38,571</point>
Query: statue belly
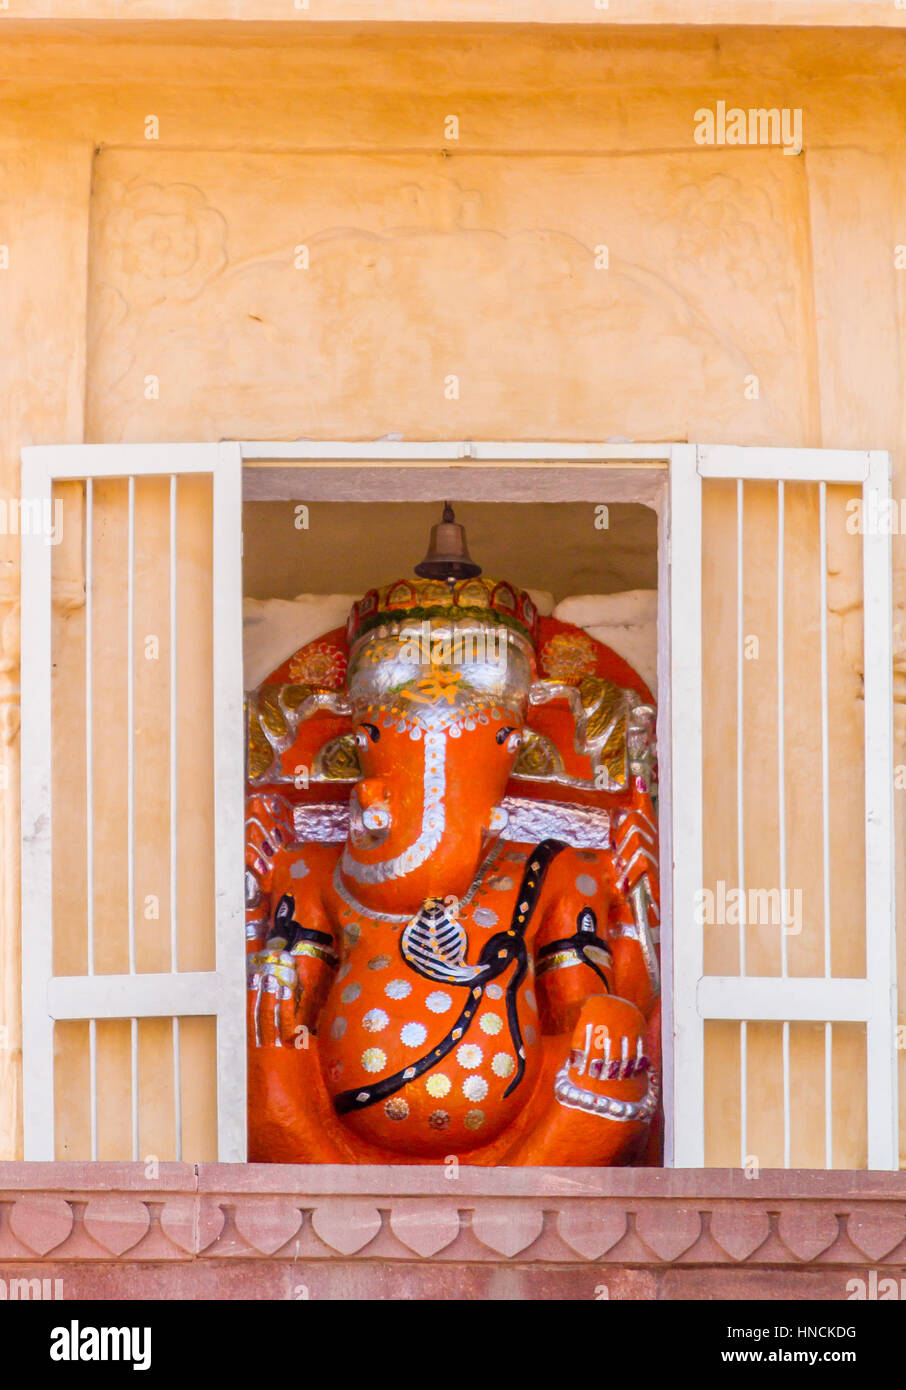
<point>382,1018</point>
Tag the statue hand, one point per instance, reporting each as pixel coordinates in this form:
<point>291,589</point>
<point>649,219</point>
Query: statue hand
<point>603,1097</point>
<point>268,830</point>
<point>607,1048</point>
<point>273,985</point>
<point>635,849</point>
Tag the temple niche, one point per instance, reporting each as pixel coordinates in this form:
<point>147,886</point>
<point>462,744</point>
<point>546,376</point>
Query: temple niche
<point>451,856</point>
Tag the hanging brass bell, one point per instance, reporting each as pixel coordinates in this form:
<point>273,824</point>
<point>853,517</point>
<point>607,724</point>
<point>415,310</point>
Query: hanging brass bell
<point>448,554</point>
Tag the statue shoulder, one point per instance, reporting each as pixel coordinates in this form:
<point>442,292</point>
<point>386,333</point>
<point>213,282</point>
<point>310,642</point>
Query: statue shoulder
<point>306,870</point>
<point>319,857</point>
<point>581,874</point>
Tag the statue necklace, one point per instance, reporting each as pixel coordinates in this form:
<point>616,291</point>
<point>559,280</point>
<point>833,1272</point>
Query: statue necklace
<point>480,873</point>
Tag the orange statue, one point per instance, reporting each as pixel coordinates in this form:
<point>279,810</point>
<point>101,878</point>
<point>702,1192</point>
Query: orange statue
<point>452,890</point>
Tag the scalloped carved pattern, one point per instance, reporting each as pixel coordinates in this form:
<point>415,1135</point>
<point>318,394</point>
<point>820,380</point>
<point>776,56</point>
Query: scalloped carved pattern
<point>647,1231</point>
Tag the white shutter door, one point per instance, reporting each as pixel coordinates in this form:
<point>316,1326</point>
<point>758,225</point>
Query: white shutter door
<point>787,999</point>
<point>135,993</point>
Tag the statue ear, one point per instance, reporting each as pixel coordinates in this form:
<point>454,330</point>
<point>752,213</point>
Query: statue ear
<point>609,724</point>
<point>338,760</point>
<point>538,757</point>
<point>277,715</point>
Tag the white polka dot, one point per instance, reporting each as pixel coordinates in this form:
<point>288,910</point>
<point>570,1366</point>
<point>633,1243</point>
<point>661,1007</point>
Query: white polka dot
<point>351,993</point>
<point>469,1055</point>
<point>375,1020</point>
<point>373,1059</point>
<point>413,1034</point>
<point>438,1002</point>
<point>586,885</point>
<point>474,1088</point>
<point>494,992</point>
<point>485,917</point>
<point>397,989</point>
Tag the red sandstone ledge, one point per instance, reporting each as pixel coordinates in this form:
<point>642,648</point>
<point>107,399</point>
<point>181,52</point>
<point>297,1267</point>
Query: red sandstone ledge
<point>337,1179</point>
<point>66,1214</point>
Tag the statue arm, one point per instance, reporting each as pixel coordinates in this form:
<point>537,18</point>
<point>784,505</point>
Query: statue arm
<point>291,947</point>
<point>300,954</point>
<point>268,828</point>
<point>635,912</point>
<point>605,1093</point>
<point>573,957</point>
<point>598,929</point>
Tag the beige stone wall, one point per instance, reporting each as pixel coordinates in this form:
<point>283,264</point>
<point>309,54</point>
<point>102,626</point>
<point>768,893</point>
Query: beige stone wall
<point>174,258</point>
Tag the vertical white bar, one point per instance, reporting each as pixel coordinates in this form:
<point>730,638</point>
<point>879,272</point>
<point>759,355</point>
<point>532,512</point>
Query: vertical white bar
<point>740,722</point>
<point>877,601</point>
<point>686,806</point>
<point>229,796</point>
<point>740,810</point>
<point>37,816</point>
<point>665,837</point>
<point>781,724</point>
<point>130,723</point>
<point>174,732</point>
<point>825,755</point>
<point>174,807</point>
<point>89,719</point>
<point>89,806</point>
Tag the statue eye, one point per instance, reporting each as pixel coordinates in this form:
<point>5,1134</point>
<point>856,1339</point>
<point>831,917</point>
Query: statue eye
<point>373,732</point>
<point>503,734</point>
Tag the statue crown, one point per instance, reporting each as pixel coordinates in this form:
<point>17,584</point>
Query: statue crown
<point>481,599</point>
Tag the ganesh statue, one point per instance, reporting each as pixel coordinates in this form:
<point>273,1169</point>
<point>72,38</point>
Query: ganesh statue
<point>452,891</point>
